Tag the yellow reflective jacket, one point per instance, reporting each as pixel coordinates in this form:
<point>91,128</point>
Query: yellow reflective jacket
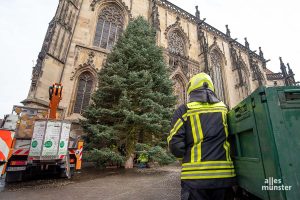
<point>143,158</point>
<point>199,137</point>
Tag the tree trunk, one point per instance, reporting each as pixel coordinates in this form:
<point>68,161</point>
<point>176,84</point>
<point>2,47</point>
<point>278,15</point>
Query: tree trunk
<point>141,137</point>
<point>129,162</point>
<point>130,148</point>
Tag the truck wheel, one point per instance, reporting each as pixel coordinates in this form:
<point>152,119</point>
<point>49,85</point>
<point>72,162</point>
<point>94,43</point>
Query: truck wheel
<point>63,172</point>
<point>14,176</point>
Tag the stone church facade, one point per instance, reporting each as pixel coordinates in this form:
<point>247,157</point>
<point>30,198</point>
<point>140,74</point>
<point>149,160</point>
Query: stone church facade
<point>83,32</point>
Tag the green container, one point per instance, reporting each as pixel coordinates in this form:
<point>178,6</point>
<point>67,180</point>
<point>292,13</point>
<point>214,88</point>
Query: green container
<point>265,137</point>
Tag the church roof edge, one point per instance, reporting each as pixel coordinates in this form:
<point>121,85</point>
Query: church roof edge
<point>205,25</point>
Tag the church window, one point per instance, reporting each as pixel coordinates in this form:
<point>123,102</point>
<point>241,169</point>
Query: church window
<point>84,90</point>
<point>176,43</point>
<point>179,90</point>
<point>109,27</point>
<point>244,80</point>
<point>216,74</point>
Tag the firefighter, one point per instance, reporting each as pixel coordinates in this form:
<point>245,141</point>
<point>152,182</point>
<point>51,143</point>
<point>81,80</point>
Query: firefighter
<point>198,137</point>
<point>143,160</point>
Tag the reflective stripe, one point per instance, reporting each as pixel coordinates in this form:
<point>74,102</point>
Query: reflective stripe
<point>193,112</point>
<point>194,148</point>
<point>207,166</point>
<point>177,126</point>
<point>226,150</point>
<point>197,137</point>
<point>21,151</point>
<point>210,172</point>
<point>226,144</point>
<point>197,143</point>
<point>200,137</point>
<point>4,149</point>
<point>184,117</point>
<point>223,175</point>
<point>207,174</point>
<point>199,105</point>
<point>6,141</point>
<point>221,162</point>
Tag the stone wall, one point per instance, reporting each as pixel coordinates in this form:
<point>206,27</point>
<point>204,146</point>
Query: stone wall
<point>69,50</point>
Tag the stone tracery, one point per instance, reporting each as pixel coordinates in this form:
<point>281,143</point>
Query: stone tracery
<point>84,91</point>
<point>176,43</point>
<point>109,27</point>
<point>179,89</point>
<point>216,73</point>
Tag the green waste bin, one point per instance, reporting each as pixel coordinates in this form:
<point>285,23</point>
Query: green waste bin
<point>265,140</point>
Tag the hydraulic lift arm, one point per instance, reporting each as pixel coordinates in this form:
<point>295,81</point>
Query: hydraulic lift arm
<point>55,95</point>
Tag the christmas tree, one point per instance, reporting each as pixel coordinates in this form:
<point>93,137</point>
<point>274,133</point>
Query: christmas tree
<point>134,101</point>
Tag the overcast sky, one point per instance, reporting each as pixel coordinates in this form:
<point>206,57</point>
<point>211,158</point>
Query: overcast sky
<point>271,24</point>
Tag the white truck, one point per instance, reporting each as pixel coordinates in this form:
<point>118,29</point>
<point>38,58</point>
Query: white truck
<point>39,145</point>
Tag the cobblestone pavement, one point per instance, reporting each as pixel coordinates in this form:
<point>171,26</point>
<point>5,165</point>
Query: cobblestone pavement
<point>112,184</point>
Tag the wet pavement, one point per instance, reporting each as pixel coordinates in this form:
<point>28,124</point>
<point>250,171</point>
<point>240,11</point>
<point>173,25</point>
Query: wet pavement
<point>161,183</point>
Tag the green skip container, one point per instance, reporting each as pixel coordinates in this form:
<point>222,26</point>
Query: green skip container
<point>265,142</point>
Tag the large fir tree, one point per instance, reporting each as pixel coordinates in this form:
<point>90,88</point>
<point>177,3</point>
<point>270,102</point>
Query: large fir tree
<point>134,101</point>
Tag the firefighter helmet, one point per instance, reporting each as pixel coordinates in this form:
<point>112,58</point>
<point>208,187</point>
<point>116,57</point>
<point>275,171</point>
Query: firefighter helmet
<point>200,80</point>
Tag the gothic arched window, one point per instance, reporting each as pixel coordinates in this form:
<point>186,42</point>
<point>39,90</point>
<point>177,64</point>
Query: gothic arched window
<point>176,43</point>
<point>244,79</point>
<point>84,90</point>
<point>109,27</point>
<point>179,90</point>
<point>216,74</point>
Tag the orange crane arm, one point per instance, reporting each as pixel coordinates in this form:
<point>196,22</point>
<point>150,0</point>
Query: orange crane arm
<point>55,95</point>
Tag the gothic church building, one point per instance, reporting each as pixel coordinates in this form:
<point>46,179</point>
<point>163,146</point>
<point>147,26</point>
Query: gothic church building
<point>83,32</point>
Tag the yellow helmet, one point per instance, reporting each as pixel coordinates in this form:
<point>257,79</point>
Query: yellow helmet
<point>198,81</point>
